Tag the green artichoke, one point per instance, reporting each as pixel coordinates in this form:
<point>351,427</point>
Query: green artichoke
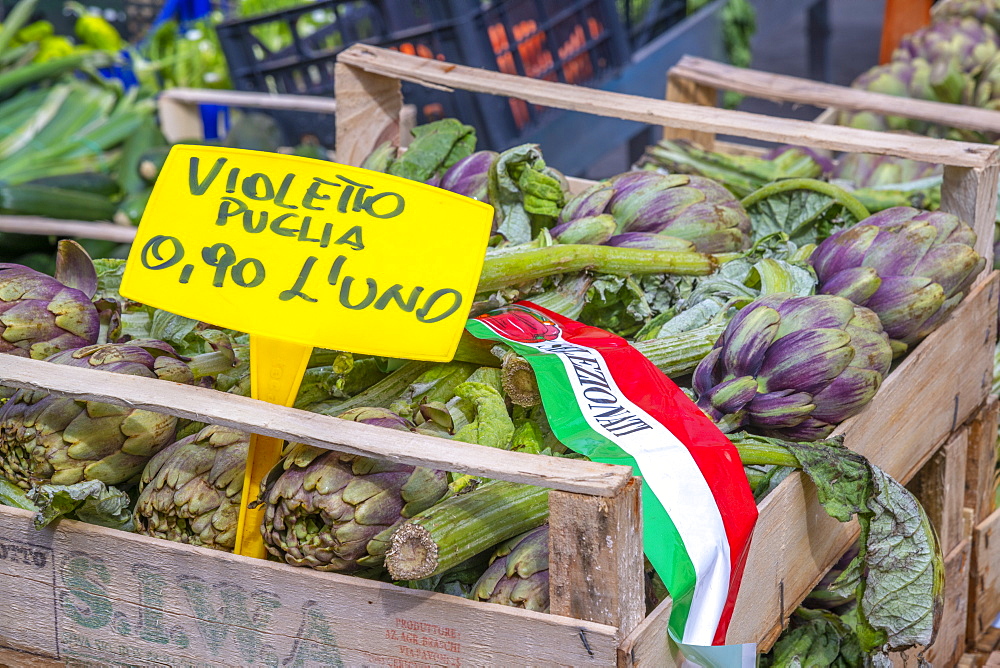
<point>793,367</point>
<point>518,575</point>
<point>190,491</point>
<point>41,315</point>
<point>910,267</point>
<point>336,512</point>
<point>47,438</point>
<point>656,212</point>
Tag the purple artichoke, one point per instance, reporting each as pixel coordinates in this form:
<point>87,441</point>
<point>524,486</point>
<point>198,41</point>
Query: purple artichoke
<point>964,43</point>
<point>793,367</point>
<point>470,176</point>
<point>518,575</point>
<point>336,512</point>
<point>678,206</point>
<point>41,315</point>
<point>910,267</point>
<point>190,491</point>
<point>984,11</point>
<point>47,438</point>
<point>903,78</point>
<point>867,170</point>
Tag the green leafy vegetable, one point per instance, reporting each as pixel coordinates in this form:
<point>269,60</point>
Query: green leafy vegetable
<point>89,501</point>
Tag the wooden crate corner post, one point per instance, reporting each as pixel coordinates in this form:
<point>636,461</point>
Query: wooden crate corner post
<point>680,89</point>
<point>595,557</point>
<point>369,107</point>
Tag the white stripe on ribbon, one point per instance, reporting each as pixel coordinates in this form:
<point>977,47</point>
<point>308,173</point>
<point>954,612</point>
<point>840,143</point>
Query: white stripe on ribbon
<point>679,484</point>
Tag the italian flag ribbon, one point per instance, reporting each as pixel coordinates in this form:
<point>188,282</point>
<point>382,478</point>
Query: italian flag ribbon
<point>605,400</point>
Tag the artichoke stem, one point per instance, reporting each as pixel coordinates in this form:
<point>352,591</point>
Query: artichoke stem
<point>463,526</point>
<point>766,454</point>
<point>519,381</point>
<point>520,267</point>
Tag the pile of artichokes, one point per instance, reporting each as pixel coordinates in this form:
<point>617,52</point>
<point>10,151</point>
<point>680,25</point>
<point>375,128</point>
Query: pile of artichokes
<point>780,340</point>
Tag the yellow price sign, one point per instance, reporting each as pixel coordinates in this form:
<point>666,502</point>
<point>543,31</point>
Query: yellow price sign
<point>301,253</point>
<point>311,252</point>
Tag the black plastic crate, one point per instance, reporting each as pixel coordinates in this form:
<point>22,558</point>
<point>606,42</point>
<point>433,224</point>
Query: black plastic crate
<point>646,19</point>
<point>294,50</point>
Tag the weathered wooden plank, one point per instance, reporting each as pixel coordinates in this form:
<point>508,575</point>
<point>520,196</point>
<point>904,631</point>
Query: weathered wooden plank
<point>949,644</point>
<point>980,468</point>
<point>687,91</point>
<point>106,596</point>
<point>252,100</point>
<point>433,73</point>
<point>940,488</point>
<point>206,405</point>
<point>595,557</point>
<point>984,586</point>
<point>649,646</point>
<point>788,558</point>
<point>368,112</point>
<point>782,88</point>
<point>67,228</point>
<point>11,657</point>
<point>971,194</point>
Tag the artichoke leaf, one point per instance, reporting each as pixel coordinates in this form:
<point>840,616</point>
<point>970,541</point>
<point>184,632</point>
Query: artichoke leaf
<point>89,501</point>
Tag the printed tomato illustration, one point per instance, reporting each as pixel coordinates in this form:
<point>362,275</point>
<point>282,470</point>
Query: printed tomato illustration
<point>521,324</point>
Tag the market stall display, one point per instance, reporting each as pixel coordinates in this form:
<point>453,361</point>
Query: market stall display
<point>530,198</point>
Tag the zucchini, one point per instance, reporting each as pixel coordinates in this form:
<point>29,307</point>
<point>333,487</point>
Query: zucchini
<point>151,163</point>
<point>31,200</point>
<point>130,210</point>
<point>148,136</point>
<point>88,182</point>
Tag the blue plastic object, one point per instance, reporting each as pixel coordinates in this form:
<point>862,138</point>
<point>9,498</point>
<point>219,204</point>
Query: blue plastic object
<point>183,11</point>
<point>212,116</point>
<point>121,70</point>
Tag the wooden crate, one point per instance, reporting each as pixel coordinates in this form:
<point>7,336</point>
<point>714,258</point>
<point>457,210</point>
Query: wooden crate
<point>107,595</point>
<point>698,81</point>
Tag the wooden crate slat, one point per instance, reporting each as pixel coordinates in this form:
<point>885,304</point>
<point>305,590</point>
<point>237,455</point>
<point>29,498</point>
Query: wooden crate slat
<point>67,228</point>
<point>97,593</point>
<point>984,586</point>
<point>649,646</point>
<point>940,488</point>
<point>206,405</point>
<point>435,73</point>
<point>783,88</point>
<point>787,559</point>
<point>981,465</point>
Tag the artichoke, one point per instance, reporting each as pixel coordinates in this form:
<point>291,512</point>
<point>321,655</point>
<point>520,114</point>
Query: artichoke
<point>686,211</point>
<point>867,170</point>
<point>793,367</point>
<point>985,11</point>
<point>903,78</point>
<point>190,491</point>
<point>910,267</point>
<point>41,315</point>
<point>518,575</point>
<point>962,43</point>
<point>470,176</point>
<point>46,438</point>
<point>336,512</point>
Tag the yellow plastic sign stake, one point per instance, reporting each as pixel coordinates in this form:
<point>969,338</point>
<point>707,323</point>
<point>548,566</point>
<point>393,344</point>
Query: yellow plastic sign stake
<point>276,370</point>
<point>301,253</point>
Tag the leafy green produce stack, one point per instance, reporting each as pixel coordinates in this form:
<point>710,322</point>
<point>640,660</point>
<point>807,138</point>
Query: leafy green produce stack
<point>781,316</point>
